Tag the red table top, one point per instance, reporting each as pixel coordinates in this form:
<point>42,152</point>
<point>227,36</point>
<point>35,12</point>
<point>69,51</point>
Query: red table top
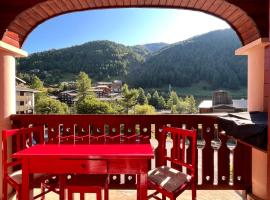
<point>88,151</point>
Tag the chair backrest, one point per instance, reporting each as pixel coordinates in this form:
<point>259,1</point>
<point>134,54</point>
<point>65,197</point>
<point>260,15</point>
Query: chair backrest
<point>18,139</point>
<point>183,151</point>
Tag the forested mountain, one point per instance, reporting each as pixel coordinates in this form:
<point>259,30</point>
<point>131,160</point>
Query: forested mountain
<point>102,60</point>
<point>152,47</point>
<point>209,58</point>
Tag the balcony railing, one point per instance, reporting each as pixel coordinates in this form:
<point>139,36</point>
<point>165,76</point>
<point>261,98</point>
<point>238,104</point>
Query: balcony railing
<point>226,164</point>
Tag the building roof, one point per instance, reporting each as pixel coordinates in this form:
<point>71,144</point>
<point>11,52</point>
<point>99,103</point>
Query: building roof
<point>104,83</point>
<point>101,86</point>
<point>53,97</point>
<point>117,81</point>
<point>72,94</point>
<point>237,103</point>
<point>25,89</point>
<point>95,90</point>
<point>206,104</point>
<point>68,91</point>
<point>20,80</point>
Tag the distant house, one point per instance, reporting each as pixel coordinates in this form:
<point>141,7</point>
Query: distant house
<point>68,96</point>
<point>117,86</point>
<point>222,102</point>
<point>104,90</point>
<point>25,98</point>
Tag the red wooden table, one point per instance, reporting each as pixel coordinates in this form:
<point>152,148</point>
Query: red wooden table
<point>86,159</point>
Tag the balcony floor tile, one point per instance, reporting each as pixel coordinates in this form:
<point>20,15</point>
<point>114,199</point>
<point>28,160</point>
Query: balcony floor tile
<point>131,195</point>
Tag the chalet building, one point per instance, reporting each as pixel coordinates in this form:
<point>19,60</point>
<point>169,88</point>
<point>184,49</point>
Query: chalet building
<point>69,96</point>
<point>25,98</point>
<point>222,102</point>
<point>103,92</point>
<point>115,86</point>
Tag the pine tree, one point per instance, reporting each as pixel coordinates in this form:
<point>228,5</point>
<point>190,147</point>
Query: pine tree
<point>173,99</point>
<point>142,99</point>
<point>191,104</point>
<point>149,97</point>
<point>36,83</point>
<point>129,99</point>
<point>154,100</point>
<point>83,84</point>
<point>161,103</point>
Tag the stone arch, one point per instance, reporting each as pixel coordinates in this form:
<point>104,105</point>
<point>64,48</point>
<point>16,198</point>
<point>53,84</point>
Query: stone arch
<point>18,30</point>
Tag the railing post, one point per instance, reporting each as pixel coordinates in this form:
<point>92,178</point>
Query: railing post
<point>7,89</point>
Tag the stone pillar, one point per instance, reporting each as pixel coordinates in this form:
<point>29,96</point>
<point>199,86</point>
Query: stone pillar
<point>256,102</point>
<point>7,88</point>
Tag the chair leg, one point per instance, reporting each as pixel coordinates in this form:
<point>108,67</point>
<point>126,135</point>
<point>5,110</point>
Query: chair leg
<point>18,195</point>
<point>62,182</point>
<point>70,195</point>
<point>194,191</point>
<point>42,187</point>
<point>81,196</point>
<point>106,192</point>
<point>163,197</point>
<point>5,190</point>
<point>193,194</point>
<point>99,195</point>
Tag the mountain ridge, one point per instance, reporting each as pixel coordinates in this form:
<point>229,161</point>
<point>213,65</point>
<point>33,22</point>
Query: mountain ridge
<point>150,65</point>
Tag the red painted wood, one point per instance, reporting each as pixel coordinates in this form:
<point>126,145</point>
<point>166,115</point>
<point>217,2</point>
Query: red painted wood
<point>153,123</point>
<point>117,151</point>
<point>81,166</point>
<point>21,139</point>
<point>75,159</point>
<point>13,15</point>
<point>82,190</point>
<point>177,159</point>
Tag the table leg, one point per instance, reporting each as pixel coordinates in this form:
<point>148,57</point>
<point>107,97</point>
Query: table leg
<point>142,186</point>
<point>62,182</point>
<point>27,192</point>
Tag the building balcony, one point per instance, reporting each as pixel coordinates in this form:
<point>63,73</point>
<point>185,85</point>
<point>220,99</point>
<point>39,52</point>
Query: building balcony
<point>228,168</point>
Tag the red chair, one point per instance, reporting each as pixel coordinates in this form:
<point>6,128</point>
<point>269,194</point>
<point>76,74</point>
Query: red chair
<point>87,184</point>
<point>171,181</point>
<point>15,140</point>
<point>83,183</point>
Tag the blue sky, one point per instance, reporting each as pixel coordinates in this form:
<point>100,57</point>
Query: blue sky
<point>129,26</point>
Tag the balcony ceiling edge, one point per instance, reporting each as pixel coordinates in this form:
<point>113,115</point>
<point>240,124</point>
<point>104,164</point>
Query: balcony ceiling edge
<point>11,50</point>
<point>261,42</point>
